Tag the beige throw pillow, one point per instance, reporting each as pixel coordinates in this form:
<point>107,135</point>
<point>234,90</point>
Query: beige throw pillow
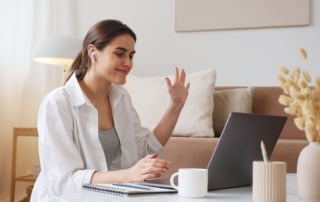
<point>150,98</point>
<point>230,100</point>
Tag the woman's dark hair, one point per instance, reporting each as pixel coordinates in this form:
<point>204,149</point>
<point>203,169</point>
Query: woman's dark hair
<point>99,35</point>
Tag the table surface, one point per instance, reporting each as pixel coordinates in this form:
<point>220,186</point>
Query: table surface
<point>241,194</point>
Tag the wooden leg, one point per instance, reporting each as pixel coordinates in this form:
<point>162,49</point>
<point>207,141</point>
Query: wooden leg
<point>28,191</point>
<point>13,168</point>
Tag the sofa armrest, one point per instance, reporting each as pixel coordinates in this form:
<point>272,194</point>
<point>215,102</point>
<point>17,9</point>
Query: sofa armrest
<point>288,151</point>
<point>191,152</point>
<point>187,152</point>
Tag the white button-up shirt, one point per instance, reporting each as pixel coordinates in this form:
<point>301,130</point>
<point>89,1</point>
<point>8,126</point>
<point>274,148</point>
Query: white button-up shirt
<point>69,146</point>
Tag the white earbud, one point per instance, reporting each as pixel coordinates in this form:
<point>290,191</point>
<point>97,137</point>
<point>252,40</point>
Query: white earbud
<point>93,56</point>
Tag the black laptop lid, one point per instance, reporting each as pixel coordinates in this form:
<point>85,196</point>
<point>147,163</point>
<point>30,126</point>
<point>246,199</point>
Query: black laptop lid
<point>239,145</point>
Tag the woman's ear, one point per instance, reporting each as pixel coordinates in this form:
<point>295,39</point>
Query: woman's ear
<point>93,56</point>
<point>92,52</point>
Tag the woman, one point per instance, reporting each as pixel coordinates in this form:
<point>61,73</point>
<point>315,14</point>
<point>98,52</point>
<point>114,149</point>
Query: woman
<point>88,129</point>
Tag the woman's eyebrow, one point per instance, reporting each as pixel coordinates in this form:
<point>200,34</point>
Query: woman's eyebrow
<point>125,50</point>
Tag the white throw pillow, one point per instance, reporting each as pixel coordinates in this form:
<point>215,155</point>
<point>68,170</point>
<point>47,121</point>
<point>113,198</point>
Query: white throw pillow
<point>150,98</point>
<point>230,100</point>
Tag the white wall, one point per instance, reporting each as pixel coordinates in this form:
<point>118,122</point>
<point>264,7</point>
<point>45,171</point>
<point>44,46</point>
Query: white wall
<point>241,57</point>
<point>236,54</point>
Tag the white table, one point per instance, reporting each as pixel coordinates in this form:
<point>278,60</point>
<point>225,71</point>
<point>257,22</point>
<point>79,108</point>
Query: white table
<point>242,194</point>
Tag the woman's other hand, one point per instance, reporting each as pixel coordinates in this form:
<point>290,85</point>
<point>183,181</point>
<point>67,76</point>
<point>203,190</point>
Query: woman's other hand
<point>178,90</point>
<point>147,168</point>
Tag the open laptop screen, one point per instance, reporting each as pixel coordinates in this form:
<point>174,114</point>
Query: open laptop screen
<point>239,145</point>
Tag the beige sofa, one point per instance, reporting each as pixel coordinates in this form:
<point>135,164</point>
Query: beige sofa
<point>196,152</point>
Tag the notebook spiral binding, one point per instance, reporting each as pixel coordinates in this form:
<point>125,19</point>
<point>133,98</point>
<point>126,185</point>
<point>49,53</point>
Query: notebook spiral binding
<point>105,189</point>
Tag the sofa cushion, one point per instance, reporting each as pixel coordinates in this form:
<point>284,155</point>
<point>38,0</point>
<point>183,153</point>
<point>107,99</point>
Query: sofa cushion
<point>230,100</point>
<point>150,97</point>
<point>265,101</point>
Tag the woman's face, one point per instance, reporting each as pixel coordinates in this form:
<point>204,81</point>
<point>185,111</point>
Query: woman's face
<point>114,62</point>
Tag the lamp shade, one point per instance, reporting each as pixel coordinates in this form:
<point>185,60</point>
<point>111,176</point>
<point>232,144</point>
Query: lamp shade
<point>57,50</point>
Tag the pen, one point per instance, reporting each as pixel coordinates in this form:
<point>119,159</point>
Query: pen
<point>132,186</point>
<point>264,152</point>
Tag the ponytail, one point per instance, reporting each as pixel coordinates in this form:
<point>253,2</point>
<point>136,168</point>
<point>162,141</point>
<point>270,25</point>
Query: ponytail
<point>79,66</point>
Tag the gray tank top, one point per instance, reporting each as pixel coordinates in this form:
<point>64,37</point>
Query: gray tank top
<point>111,146</point>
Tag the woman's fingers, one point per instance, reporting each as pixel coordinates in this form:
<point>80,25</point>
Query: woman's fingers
<point>177,74</point>
<point>150,176</point>
<point>180,79</point>
<point>169,84</point>
<point>157,163</point>
<point>154,155</point>
<point>182,76</point>
<point>154,165</point>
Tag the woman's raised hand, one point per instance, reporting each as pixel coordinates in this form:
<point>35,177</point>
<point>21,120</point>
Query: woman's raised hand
<point>178,90</point>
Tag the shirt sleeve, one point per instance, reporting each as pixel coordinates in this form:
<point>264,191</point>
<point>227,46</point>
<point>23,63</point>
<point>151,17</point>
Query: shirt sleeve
<point>60,158</point>
<point>146,140</point>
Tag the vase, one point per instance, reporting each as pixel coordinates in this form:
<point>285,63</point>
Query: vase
<point>308,173</point>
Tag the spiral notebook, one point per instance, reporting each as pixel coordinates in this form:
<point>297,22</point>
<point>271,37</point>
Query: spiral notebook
<point>127,189</point>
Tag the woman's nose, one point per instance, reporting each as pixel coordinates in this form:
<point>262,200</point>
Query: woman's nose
<point>128,61</point>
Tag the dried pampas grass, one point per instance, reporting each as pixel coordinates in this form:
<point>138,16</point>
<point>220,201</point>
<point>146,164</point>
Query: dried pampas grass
<point>300,99</point>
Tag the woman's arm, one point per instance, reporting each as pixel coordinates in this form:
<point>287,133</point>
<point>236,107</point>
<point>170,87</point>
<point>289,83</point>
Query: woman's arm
<point>178,92</point>
<point>61,162</point>
<point>146,168</point>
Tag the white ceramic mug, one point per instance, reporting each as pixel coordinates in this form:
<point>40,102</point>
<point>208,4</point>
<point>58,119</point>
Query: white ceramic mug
<point>269,181</point>
<point>192,182</point>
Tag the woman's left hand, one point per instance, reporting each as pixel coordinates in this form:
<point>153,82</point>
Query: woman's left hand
<point>178,90</point>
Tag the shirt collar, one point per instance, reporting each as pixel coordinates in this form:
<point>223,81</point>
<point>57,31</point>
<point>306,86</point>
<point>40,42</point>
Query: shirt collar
<point>73,89</point>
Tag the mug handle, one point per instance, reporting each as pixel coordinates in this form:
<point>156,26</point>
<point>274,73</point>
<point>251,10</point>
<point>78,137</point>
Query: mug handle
<point>172,180</point>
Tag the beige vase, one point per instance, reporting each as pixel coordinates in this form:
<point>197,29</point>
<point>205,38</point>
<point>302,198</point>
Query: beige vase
<point>308,173</point>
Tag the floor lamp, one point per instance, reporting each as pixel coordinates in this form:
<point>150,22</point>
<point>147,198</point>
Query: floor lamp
<point>57,50</point>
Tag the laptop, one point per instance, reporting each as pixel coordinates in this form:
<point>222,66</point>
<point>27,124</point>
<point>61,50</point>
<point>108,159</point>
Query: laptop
<point>230,164</point>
